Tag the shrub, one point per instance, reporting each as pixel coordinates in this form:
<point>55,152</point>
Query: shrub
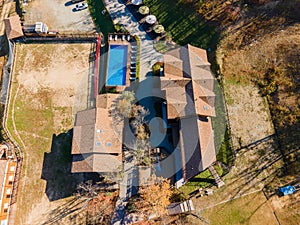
<point>138,56</point>
<point>156,69</point>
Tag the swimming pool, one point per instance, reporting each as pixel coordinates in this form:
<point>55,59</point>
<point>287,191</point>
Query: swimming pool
<point>117,64</point>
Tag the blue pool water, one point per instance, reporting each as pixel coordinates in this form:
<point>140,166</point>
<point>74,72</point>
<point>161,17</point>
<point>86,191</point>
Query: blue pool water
<point>117,62</point>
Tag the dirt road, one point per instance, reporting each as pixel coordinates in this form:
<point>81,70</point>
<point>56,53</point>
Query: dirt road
<point>59,15</point>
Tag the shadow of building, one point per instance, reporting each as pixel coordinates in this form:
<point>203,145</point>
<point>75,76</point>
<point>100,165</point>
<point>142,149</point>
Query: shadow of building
<point>61,183</point>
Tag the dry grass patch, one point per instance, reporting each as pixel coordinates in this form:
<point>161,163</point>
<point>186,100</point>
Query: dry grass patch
<point>270,61</point>
<point>259,61</point>
<point>252,209</point>
<point>286,204</point>
<point>49,84</point>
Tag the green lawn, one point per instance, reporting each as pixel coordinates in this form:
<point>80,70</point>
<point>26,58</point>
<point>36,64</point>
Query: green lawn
<point>103,22</point>
<point>202,180</point>
<point>225,152</point>
<point>221,132</point>
<point>183,23</point>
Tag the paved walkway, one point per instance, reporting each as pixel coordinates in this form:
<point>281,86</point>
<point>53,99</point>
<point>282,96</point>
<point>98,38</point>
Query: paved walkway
<point>128,188</point>
<point>148,56</point>
<point>123,16</point>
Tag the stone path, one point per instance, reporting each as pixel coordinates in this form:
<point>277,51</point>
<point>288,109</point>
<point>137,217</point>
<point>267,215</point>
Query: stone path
<point>123,16</point>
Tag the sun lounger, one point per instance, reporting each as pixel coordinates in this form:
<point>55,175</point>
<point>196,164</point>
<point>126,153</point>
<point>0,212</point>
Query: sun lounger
<point>132,67</point>
<point>133,46</point>
<point>132,73</point>
<point>116,37</point>
<point>128,37</point>
<point>132,78</point>
<point>110,37</point>
<point>123,37</point>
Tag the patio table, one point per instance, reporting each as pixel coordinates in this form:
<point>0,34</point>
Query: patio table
<point>158,29</point>
<point>144,10</point>
<point>151,19</point>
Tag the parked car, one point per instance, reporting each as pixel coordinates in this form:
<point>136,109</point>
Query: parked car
<point>81,6</point>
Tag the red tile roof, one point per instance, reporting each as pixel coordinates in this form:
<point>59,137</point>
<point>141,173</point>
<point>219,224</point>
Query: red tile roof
<point>188,87</point>
<point>97,138</point>
<point>13,27</point>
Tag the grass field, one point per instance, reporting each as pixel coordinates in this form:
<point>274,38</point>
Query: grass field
<point>202,180</point>
<point>252,209</point>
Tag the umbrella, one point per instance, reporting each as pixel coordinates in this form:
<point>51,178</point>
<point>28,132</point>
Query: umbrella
<point>158,29</point>
<point>144,10</point>
<point>137,2</point>
<point>151,19</point>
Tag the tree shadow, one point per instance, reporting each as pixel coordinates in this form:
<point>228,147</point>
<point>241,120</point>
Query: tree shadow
<point>205,180</point>
<point>65,211</point>
<point>61,183</point>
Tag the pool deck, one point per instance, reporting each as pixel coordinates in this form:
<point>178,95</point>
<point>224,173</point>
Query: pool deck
<point>127,81</point>
<point>148,56</point>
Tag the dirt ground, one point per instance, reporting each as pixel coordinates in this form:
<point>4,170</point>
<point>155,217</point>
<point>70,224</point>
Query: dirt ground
<point>62,68</point>
<point>59,15</point>
<point>248,114</point>
<point>50,83</point>
<point>290,204</point>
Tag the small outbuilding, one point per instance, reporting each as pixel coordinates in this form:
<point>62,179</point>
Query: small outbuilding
<point>13,27</point>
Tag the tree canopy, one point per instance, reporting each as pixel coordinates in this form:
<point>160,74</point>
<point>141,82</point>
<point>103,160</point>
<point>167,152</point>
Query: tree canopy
<point>155,196</point>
